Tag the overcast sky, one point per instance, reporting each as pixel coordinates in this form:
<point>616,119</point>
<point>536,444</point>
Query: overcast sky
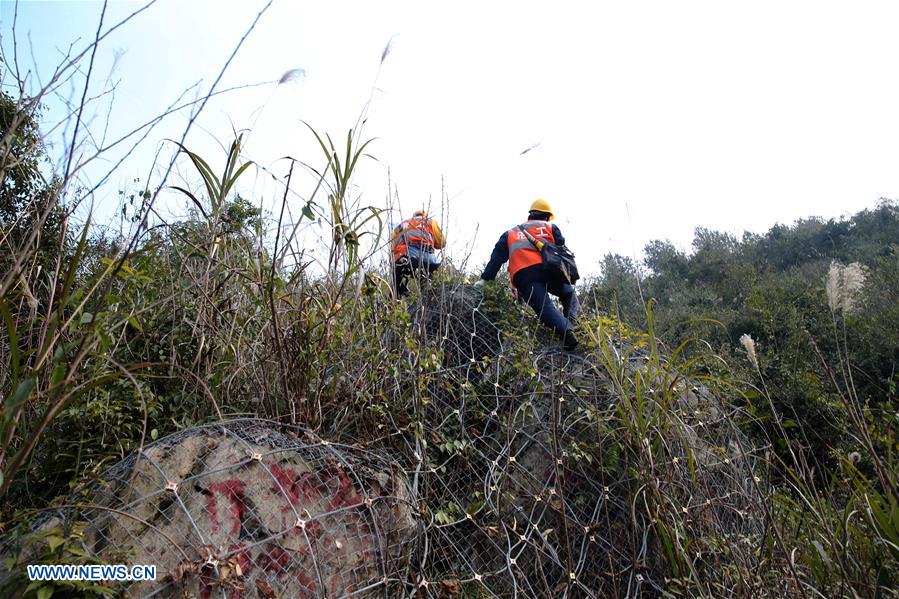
<point>646,119</point>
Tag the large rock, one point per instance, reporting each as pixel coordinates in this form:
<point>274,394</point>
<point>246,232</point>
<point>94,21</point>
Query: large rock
<point>533,469</point>
<point>457,320</point>
<point>253,506</point>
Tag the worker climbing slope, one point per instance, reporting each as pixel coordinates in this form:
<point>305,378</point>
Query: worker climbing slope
<point>414,241</point>
<point>521,247</point>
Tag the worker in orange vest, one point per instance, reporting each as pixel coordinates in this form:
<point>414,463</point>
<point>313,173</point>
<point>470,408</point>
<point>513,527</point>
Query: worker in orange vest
<point>414,241</point>
<point>528,275</point>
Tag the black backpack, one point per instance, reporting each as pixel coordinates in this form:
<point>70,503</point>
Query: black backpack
<point>558,260</point>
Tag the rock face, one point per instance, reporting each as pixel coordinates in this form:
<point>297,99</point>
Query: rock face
<point>537,460</point>
<point>456,321</point>
<point>247,508</point>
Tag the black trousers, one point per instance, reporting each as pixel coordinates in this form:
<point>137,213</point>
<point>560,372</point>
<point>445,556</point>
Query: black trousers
<point>534,289</point>
<point>404,268</point>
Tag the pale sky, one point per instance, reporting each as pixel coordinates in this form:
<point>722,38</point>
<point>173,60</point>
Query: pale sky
<point>732,116</point>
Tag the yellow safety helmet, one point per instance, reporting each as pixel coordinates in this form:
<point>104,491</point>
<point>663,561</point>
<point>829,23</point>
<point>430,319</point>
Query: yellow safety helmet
<point>541,205</point>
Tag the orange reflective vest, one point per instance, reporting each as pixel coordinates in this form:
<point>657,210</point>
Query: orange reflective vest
<point>417,230</point>
<point>522,252</point>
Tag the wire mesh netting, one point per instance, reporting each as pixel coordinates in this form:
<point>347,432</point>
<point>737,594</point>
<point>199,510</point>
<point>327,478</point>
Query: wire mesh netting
<point>252,505</point>
<point>523,473</point>
<point>516,474</point>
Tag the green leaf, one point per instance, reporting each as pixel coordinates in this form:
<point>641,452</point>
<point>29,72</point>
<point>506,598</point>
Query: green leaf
<point>12,338</point>
<point>58,373</point>
<point>668,547</point>
<point>21,394</point>
<point>133,321</point>
<point>209,180</point>
<point>193,199</point>
<point>229,184</point>
<point>45,592</point>
<point>54,542</point>
<point>74,262</point>
<point>87,318</point>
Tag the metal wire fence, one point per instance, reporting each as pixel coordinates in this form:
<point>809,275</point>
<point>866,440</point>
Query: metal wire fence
<point>524,473</point>
<point>519,476</point>
<point>251,505</point>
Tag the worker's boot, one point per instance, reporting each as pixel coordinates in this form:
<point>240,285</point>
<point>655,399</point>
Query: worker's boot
<point>570,341</point>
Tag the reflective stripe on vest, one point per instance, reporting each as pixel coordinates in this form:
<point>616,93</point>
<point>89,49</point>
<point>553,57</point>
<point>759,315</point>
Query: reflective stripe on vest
<point>413,231</point>
<point>522,252</point>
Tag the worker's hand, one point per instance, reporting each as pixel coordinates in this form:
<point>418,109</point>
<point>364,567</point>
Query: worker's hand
<point>479,283</point>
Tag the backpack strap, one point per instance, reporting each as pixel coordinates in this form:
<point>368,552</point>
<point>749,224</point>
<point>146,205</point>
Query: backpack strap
<point>534,241</point>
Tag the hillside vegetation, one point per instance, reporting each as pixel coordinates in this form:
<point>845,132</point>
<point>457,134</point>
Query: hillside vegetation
<point>819,301</point>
